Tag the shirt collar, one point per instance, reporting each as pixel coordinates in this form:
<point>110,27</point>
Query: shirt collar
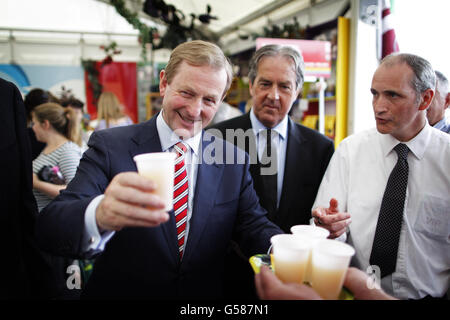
<point>442,123</point>
<point>280,128</point>
<point>416,145</point>
<point>168,138</point>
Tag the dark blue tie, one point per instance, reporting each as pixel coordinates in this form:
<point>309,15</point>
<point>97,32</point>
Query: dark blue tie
<point>269,177</point>
<point>387,234</point>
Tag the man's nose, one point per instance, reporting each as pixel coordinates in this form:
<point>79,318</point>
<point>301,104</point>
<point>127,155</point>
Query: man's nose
<point>273,93</point>
<point>194,109</point>
<point>379,104</point>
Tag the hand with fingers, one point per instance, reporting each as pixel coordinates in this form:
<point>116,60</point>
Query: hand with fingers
<point>331,219</point>
<point>269,287</point>
<point>129,202</point>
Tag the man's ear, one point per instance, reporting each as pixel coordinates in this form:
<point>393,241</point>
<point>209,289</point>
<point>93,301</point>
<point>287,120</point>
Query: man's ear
<point>162,83</point>
<point>46,124</point>
<point>447,100</point>
<point>427,98</point>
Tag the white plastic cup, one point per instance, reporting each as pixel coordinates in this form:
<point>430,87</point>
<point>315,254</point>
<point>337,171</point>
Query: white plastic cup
<point>160,168</point>
<point>290,257</point>
<point>330,261</point>
<point>314,234</point>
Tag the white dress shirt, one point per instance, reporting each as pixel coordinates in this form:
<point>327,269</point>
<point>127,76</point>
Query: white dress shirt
<point>279,141</point>
<point>357,177</point>
<point>92,238</point>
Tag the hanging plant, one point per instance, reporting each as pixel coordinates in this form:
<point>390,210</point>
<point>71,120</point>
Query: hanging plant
<point>145,32</point>
<point>92,73</point>
<point>110,51</point>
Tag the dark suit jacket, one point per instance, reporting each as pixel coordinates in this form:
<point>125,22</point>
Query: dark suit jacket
<point>307,156</point>
<point>144,262</point>
<point>25,273</point>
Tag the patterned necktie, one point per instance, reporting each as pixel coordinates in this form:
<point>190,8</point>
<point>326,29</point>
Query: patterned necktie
<point>269,178</point>
<point>387,234</point>
<point>180,195</point>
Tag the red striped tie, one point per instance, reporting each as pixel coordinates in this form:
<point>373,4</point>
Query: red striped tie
<point>180,195</point>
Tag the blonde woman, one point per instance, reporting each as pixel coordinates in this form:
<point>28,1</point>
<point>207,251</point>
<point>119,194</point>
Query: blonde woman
<point>55,126</point>
<point>109,112</point>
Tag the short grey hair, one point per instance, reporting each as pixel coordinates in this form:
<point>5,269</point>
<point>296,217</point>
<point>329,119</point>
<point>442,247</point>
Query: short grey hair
<point>273,50</point>
<point>424,76</point>
<point>441,83</point>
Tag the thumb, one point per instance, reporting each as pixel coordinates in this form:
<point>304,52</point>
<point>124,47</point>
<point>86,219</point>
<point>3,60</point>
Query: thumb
<point>333,206</point>
<point>265,280</point>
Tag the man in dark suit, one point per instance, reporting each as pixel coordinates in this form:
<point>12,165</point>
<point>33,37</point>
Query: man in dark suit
<point>107,202</point>
<point>299,155</point>
<point>276,79</point>
<point>25,273</point>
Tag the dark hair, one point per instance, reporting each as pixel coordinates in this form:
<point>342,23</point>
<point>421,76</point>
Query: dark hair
<point>72,102</point>
<point>34,98</point>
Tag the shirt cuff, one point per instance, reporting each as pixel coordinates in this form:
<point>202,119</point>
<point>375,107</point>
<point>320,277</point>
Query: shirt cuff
<point>94,241</point>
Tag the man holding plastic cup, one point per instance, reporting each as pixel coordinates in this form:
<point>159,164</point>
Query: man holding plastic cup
<point>393,183</point>
<point>111,211</point>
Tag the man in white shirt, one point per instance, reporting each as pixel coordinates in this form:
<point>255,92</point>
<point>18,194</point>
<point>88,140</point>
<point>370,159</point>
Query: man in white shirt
<point>402,88</point>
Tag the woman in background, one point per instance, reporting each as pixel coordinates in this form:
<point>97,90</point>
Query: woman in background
<point>55,126</point>
<point>34,98</point>
<point>109,112</point>
<point>82,134</point>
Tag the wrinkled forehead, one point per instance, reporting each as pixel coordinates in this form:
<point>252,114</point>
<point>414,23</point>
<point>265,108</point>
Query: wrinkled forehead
<point>399,74</point>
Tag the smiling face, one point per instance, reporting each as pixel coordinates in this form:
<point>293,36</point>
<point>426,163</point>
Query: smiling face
<point>396,108</point>
<point>274,89</point>
<point>192,98</point>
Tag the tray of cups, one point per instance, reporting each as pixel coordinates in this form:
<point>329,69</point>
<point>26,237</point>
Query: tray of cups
<point>306,256</point>
<point>259,260</point>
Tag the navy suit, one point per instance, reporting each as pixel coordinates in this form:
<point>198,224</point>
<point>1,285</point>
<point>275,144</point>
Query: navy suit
<point>144,262</point>
<point>307,156</point>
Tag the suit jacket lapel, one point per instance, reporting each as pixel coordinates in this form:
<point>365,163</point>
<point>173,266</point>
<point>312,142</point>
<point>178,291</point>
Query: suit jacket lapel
<point>293,164</point>
<point>147,140</point>
<point>206,188</point>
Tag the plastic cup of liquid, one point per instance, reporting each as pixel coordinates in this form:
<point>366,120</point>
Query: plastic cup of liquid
<point>313,234</point>
<point>159,167</point>
<point>290,257</point>
<point>330,261</point>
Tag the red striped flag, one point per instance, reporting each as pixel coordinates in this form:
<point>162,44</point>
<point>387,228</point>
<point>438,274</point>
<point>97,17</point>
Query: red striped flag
<point>390,44</point>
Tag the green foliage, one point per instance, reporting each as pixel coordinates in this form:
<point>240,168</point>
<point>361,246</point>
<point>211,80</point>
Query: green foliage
<point>92,74</point>
<point>145,32</point>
